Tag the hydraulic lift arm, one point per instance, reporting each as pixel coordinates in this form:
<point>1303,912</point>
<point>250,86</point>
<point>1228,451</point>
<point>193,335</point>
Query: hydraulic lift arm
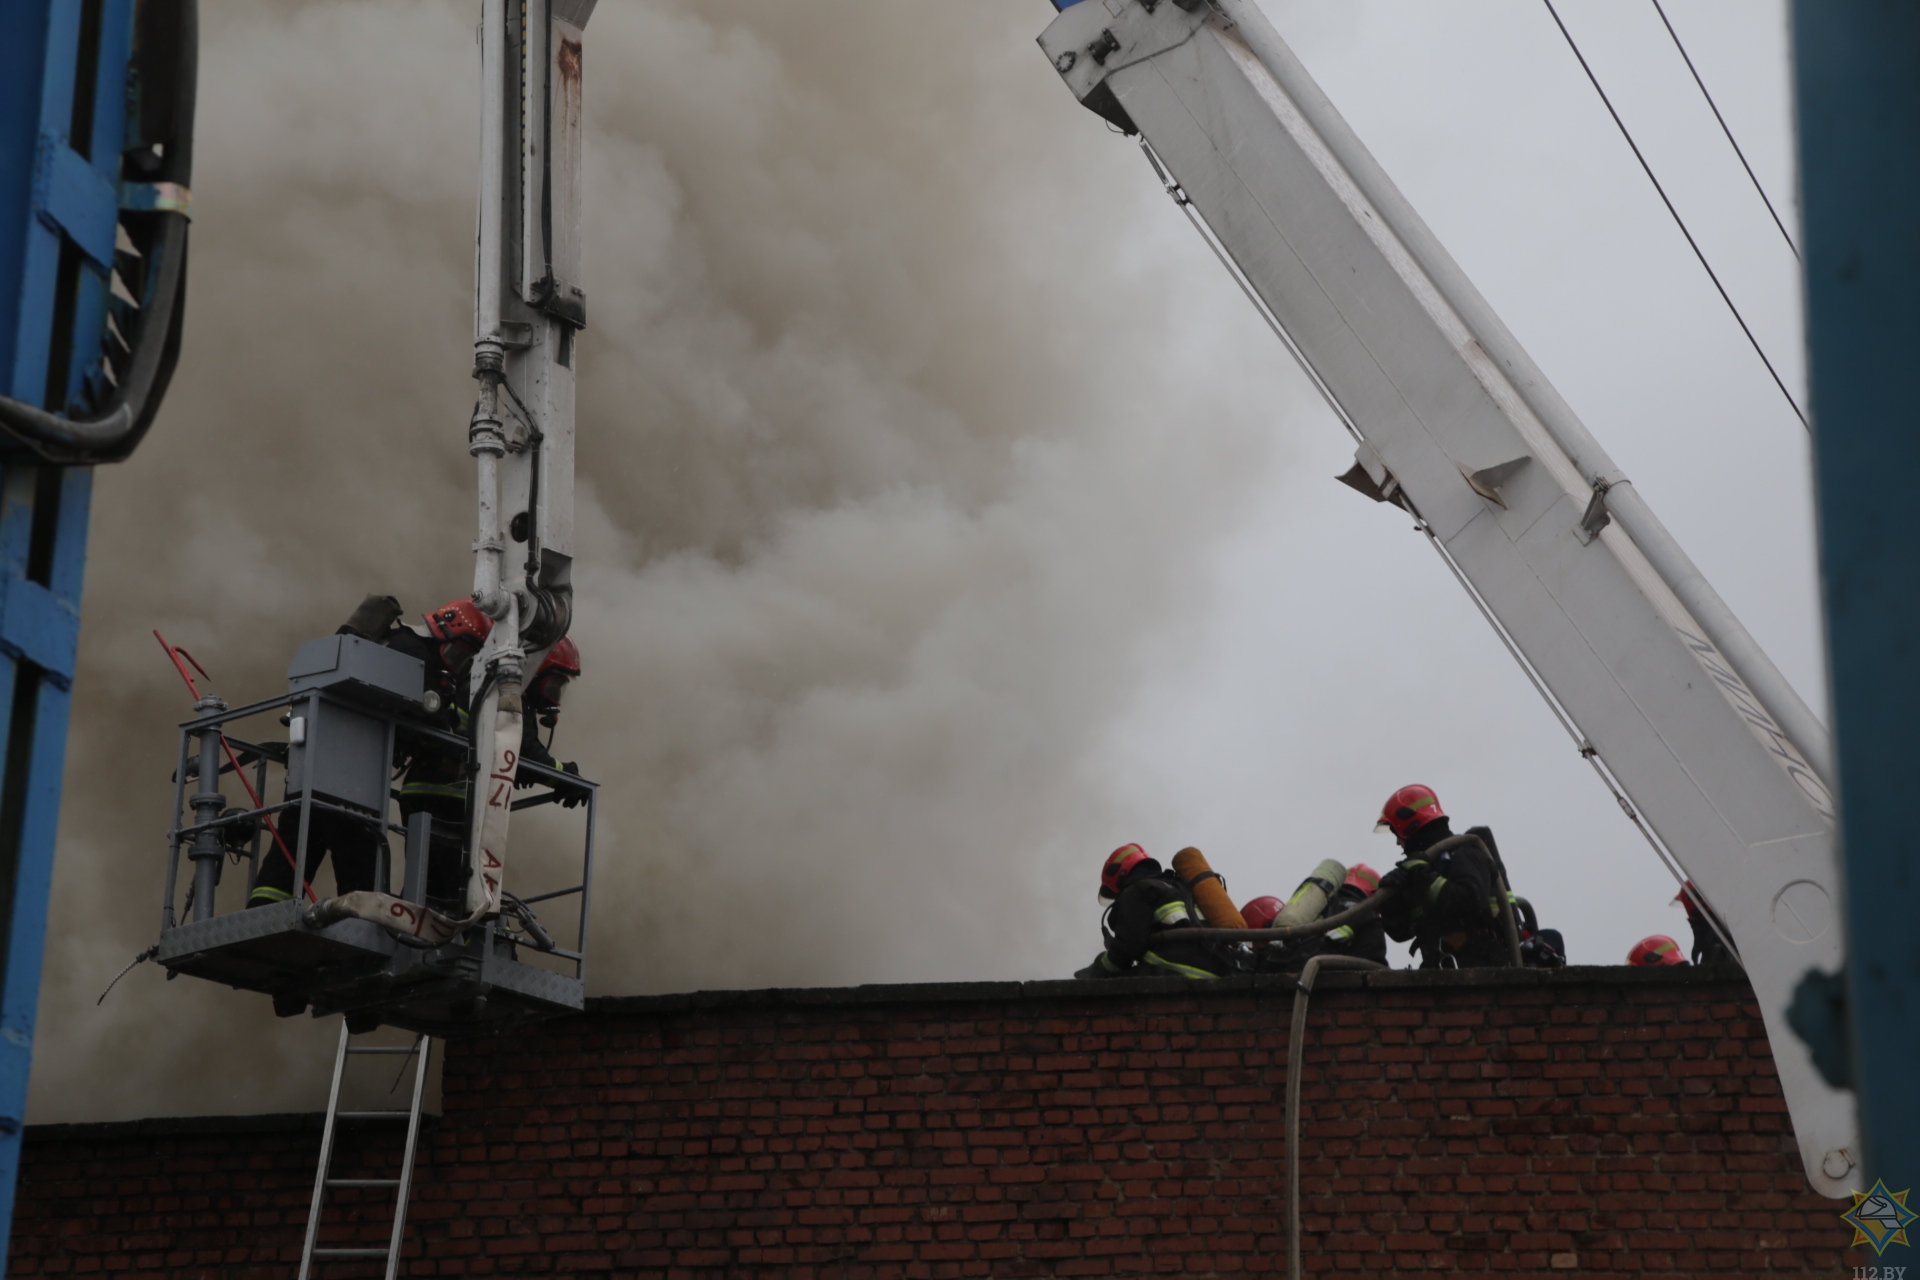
<point>1674,700</point>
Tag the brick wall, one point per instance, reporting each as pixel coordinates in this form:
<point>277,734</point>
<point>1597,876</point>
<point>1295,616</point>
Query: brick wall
<point>1592,1122</point>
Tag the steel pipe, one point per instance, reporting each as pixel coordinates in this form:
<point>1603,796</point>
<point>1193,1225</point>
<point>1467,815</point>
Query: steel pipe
<point>493,132</point>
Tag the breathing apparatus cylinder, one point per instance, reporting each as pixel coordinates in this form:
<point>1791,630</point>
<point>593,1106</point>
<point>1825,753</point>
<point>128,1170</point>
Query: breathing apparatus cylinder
<point>1209,890</point>
<point>1310,899</point>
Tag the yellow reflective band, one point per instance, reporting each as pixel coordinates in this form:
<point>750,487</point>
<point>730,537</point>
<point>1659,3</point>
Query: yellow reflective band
<point>1184,970</point>
<point>1433,890</point>
<point>1106,962</point>
<point>1171,911</point>
<point>267,893</point>
<point>1341,934</point>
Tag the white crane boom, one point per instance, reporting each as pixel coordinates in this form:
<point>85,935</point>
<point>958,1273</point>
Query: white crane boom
<point>528,305</point>
<point>1674,699</point>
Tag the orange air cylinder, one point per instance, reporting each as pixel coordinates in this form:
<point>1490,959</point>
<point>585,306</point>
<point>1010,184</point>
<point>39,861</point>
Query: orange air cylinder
<point>1209,890</point>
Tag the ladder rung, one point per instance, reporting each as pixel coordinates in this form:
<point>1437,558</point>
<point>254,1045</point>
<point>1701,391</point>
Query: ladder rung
<point>385,1048</point>
<point>350,1253</point>
<point>363,1182</point>
<point>373,1115</point>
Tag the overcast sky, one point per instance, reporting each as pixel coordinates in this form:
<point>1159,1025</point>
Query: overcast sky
<point>947,517</point>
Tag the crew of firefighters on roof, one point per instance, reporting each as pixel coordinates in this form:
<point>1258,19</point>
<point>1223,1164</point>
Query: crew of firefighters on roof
<point>1444,897</point>
<point>435,777</point>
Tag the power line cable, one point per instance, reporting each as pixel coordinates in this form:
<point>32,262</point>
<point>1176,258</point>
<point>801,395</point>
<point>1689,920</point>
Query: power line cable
<point>1678,220</point>
<point>1724,128</point>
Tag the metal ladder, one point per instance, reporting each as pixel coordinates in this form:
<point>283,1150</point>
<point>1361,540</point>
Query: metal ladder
<point>423,1046</point>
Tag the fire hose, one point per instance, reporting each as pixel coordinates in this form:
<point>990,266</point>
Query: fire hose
<point>1296,1046</point>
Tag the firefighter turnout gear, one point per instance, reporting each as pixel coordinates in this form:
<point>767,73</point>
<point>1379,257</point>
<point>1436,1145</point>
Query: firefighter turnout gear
<point>1260,912</point>
<point>1445,903</point>
<point>1409,809</point>
<point>1151,908</point>
<point>1366,939</point>
<point>353,841</point>
<point>1709,947</point>
<point>1119,864</point>
<point>374,618</point>
<point>1655,950</point>
<point>557,669</point>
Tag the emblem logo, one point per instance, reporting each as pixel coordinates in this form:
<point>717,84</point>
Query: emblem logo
<point>1879,1217</point>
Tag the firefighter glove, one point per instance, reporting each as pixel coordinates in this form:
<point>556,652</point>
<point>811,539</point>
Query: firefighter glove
<point>573,799</point>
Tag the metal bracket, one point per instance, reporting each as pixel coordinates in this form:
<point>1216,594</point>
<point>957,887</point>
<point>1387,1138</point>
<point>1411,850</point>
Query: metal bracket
<point>1487,480</point>
<point>1369,475</point>
<point>1596,517</point>
<point>1090,41</point>
<point>70,195</point>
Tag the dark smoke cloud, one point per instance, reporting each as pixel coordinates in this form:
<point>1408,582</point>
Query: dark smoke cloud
<point>896,459</point>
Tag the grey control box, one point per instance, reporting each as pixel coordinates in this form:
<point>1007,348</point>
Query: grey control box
<point>358,670</point>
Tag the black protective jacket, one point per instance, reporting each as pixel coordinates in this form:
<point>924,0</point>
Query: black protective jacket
<point>1448,906</point>
<point>443,773</point>
<point>1708,947</point>
<point>1143,926</point>
<point>1366,939</point>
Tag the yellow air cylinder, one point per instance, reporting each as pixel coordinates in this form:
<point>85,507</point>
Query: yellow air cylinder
<point>1310,899</point>
<point>1209,890</point>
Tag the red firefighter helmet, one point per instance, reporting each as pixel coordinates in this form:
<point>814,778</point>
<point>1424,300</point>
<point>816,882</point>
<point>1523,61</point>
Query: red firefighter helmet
<point>561,664</point>
<point>1260,912</point>
<point>1119,863</point>
<point>1656,949</point>
<point>459,622</point>
<point>1409,809</point>
<point>1364,878</point>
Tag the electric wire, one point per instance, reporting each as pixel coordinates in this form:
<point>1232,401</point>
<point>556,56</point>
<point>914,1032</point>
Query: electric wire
<point>1726,129</point>
<point>1678,220</point>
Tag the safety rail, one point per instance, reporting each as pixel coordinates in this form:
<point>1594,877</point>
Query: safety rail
<point>506,968</point>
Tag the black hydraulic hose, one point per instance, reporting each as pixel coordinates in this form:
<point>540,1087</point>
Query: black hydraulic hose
<point>1296,1047</point>
<point>111,434</point>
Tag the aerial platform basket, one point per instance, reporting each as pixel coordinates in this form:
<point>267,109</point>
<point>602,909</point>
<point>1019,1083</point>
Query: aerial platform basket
<point>352,710</point>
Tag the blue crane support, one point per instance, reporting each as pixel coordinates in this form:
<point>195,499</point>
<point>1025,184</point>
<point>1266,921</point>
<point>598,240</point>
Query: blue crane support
<point>1857,76</point>
<point>95,122</point>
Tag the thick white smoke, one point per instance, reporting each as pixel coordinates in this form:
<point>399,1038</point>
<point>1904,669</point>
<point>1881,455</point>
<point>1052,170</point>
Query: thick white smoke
<point>898,462</point>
